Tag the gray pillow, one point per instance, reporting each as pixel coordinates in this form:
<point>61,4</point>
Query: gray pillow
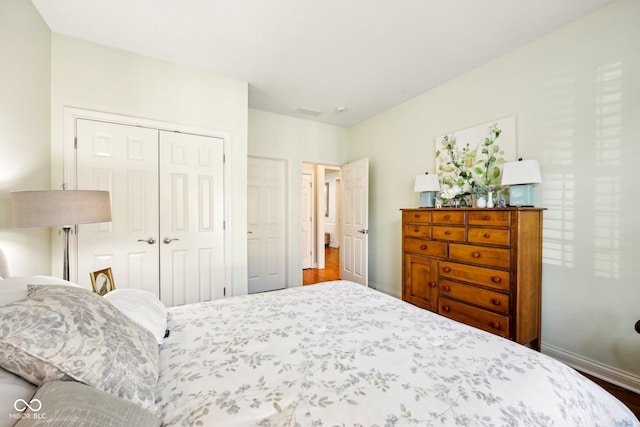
<point>60,332</point>
<point>69,403</point>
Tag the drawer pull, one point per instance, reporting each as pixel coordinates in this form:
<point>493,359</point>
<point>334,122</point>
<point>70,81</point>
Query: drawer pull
<point>496,279</point>
<point>446,288</point>
<point>495,325</point>
<point>416,215</point>
<point>416,230</point>
<point>447,216</point>
<point>446,269</point>
<point>446,233</point>
<point>423,247</point>
<point>445,308</point>
<point>432,284</point>
<point>495,301</point>
<point>486,217</point>
<point>486,235</point>
<point>476,254</point>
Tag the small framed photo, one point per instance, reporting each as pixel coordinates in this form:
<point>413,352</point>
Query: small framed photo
<point>102,281</point>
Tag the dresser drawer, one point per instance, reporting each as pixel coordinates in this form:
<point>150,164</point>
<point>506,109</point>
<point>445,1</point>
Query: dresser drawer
<point>493,257</point>
<point>496,279</point>
<point>448,233</point>
<point>449,217</point>
<point>499,218</point>
<point>415,230</point>
<point>416,216</point>
<point>478,317</point>
<point>426,247</point>
<point>490,236</point>
<point>484,298</point>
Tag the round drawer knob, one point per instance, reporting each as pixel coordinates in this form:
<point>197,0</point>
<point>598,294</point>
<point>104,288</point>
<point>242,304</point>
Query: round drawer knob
<point>487,235</point>
<point>495,301</point>
<point>486,217</point>
<point>496,279</point>
<point>432,284</point>
<point>446,269</point>
<point>447,217</point>
<point>476,254</point>
<point>445,308</point>
<point>416,230</point>
<point>416,216</point>
<point>423,247</point>
<point>495,325</point>
<point>446,288</point>
<point>447,233</point>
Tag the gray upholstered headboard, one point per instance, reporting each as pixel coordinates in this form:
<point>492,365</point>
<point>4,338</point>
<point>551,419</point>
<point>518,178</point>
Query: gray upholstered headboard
<point>4,267</point>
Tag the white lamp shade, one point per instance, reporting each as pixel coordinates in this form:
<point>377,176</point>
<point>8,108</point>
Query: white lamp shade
<point>426,182</point>
<point>50,208</point>
<point>521,172</point>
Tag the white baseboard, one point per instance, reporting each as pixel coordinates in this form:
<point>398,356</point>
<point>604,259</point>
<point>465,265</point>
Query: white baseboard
<point>591,367</point>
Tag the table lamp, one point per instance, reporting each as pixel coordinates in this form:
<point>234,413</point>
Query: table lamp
<point>427,185</point>
<point>60,208</point>
<point>520,177</point>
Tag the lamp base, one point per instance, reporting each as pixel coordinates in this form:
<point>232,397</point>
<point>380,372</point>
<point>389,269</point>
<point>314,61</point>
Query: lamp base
<point>427,199</point>
<point>521,195</point>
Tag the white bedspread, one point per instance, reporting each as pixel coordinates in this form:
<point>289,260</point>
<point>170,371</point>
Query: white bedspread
<point>341,354</point>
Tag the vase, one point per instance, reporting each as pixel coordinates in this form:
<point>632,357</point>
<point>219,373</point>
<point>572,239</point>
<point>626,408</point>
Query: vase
<point>481,202</point>
<point>490,200</point>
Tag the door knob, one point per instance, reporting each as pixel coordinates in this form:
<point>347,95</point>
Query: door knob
<point>150,240</point>
<point>363,231</point>
<point>168,240</point>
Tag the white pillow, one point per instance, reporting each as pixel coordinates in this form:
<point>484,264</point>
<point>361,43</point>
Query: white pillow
<point>14,288</point>
<point>12,388</point>
<point>143,307</point>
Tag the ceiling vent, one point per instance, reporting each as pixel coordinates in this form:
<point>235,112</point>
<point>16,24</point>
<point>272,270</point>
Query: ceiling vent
<point>308,112</point>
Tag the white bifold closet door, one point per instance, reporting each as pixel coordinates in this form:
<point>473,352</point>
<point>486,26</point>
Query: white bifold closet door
<point>166,190</point>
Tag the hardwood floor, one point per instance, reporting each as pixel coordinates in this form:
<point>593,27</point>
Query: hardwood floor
<point>331,271</point>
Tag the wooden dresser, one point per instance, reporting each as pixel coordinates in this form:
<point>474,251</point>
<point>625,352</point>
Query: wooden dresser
<point>482,267</point>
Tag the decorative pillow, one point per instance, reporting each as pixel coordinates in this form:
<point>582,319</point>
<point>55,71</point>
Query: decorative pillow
<point>68,403</point>
<point>63,331</point>
<point>14,288</point>
<point>143,307</point>
<point>12,388</point>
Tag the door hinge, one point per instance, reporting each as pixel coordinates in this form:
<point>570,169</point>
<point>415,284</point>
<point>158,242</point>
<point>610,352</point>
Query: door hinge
<point>224,225</point>
<point>75,142</point>
<point>224,292</point>
<point>224,158</point>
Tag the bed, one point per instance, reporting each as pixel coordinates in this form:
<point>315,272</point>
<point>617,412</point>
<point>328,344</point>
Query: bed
<point>335,353</point>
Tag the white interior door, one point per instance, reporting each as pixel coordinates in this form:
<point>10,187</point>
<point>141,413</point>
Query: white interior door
<point>266,203</point>
<point>123,160</point>
<point>167,191</point>
<point>306,220</point>
<point>191,235</point>
<point>355,222</point>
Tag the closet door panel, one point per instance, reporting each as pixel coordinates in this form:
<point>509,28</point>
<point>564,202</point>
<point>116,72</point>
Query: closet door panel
<point>123,160</point>
<point>191,219</point>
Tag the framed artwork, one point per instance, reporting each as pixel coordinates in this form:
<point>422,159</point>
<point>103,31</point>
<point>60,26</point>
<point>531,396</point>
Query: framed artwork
<point>326,199</point>
<point>473,157</point>
<point>102,281</point>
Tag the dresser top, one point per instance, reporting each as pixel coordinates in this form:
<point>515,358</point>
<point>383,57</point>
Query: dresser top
<point>510,208</point>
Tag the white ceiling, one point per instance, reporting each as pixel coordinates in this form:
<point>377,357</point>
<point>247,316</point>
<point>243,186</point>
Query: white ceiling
<point>303,56</point>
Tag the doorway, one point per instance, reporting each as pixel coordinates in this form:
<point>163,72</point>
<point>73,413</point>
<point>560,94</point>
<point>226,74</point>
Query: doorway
<point>320,223</point>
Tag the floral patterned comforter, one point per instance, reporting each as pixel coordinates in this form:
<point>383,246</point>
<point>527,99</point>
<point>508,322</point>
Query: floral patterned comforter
<point>340,354</point>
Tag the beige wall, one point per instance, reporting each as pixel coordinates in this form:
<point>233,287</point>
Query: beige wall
<point>576,95</point>
<point>90,76</point>
<point>296,141</point>
<point>24,130</point>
